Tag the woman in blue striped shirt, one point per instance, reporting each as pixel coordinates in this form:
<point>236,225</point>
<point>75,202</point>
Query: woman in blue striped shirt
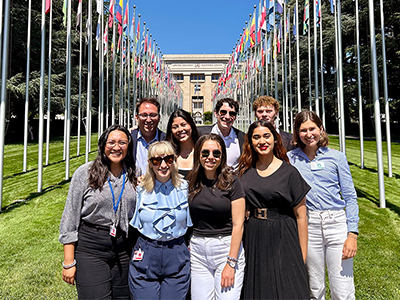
<point>331,207</point>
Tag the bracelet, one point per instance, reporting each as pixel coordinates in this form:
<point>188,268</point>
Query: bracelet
<point>354,236</point>
<point>232,259</point>
<point>70,265</point>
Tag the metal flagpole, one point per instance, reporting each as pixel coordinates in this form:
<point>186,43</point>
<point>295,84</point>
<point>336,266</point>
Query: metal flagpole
<point>340,73</point>
<point>275,61</point>
<point>309,61</point>
<point>121,84</point>
<point>49,86</point>
<point>360,101</point>
<point>107,106</point>
<point>298,57</point>
<point>377,112</point>
<point>101,50</point>
<point>68,100</point>
<point>134,66</point>
<point>337,79</point>
<point>290,76</point>
<point>40,139</point>
<point>78,151</point>
<point>4,75</point>
<point>267,50</point>
<point>89,86</point>
<point>113,71</point>
<point>128,62</point>
<point>316,58</point>
<point>322,72</point>
<point>28,52</point>
<point>286,76</point>
<point>385,90</point>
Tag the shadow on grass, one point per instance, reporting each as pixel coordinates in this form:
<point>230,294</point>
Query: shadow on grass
<point>376,201</point>
<point>397,176</point>
<point>31,196</point>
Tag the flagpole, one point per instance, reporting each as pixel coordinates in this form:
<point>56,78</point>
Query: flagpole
<point>48,88</point>
<point>68,100</point>
<point>276,61</point>
<point>377,112</point>
<point>360,101</point>
<point>309,63</point>
<point>134,66</point>
<point>28,52</point>
<point>113,71</point>
<point>78,146</point>
<point>89,86</point>
<point>341,82</point>
<point>385,90</point>
<point>267,49</point>
<point>4,74</point>
<point>337,80</point>
<point>290,76</point>
<point>101,49</point>
<point>121,85</point>
<point>298,57</point>
<point>316,58</point>
<point>286,76</point>
<point>107,82</point>
<point>128,65</point>
<point>322,72</point>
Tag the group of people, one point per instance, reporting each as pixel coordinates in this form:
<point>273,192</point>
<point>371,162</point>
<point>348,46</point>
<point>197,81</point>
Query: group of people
<point>226,214</point>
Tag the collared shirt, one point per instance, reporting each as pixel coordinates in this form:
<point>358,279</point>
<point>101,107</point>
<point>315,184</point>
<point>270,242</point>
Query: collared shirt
<point>331,183</point>
<point>162,214</point>
<point>142,149</point>
<point>232,146</point>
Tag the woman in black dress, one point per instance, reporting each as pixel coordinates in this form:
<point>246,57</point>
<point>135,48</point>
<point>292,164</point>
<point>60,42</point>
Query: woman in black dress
<point>275,238</point>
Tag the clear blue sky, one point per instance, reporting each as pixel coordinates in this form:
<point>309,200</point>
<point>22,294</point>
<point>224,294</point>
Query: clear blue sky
<point>194,27</point>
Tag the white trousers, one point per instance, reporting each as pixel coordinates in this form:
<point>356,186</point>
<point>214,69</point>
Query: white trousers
<point>208,256</point>
<point>327,232</point>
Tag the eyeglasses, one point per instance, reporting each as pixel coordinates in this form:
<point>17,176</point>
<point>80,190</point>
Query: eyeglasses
<point>144,117</point>
<point>111,144</point>
<point>206,153</point>
<point>223,113</point>
<point>156,161</point>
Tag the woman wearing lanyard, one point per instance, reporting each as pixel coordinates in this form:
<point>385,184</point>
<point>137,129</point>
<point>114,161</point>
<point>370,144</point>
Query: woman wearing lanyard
<point>95,222</point>
<point>160,264</point>
<point>217,207</point>
<point>332,231</point>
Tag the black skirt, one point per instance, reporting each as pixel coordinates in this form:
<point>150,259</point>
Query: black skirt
<point>274,264</point>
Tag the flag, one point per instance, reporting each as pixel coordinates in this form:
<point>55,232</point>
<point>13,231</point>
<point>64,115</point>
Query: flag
<point>332,6</point>
<point>79,14</point>
<point>278,42</point>
<point>99,5</point>
<point>48,4</point>
<point>271,20</point>
<point>279,6</point>
<point>295,22</point>
<point>132,32</point>
<point>318,11</point>
<point>252,31</point>
<point>105,40</point>
<point>98,34</point>
<point>269,49</point>
<point>263,25</point>
<point>64,10</point>
<point>306,17</point>
<point>111,16</point>
<point>118,10</point>
<point>287,25</point>
<point>125,23</point>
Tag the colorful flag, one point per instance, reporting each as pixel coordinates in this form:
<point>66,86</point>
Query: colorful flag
<point>111,16</point>
<point>295,22</point>
<point>98,34</point>
<point>64,10</point>
<point>118,10</point>
<point>105,40</point>
<point>79,14</point>
<point>318,11</point>
<point>99,5</point>
<point>264,17</point>
<point>125,23</point>
<point>332,6</point>
<point>252,31</point>
<point>48,4</point>
<point>306,17</point>
<point>279,36</point>
<point>279,6</point>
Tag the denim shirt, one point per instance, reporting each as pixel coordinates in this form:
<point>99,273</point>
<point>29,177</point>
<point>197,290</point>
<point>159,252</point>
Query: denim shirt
<point>163,214</point>
<point>331,183</point>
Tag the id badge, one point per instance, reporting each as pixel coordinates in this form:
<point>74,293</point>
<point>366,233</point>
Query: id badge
<point>138,255</point>
<point>320,165</point>
<point>113,230</point>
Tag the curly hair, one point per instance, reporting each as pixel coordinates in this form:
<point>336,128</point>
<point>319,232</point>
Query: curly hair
<point>100,169</point>
<point>266,101</point>
<point>249,156</point>
<point>305,116</point>
<point>195,177</point>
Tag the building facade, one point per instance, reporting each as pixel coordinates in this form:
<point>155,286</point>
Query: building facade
<point>197,75</point>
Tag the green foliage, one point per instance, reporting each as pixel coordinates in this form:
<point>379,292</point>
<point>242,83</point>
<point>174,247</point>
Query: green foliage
<point>207,116</point>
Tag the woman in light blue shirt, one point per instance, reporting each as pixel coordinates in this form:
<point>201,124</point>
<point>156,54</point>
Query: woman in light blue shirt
<point>160,264</point>
<point>331,207</point>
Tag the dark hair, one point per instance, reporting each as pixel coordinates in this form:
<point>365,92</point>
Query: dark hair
<point>232,104</point>
<point>100,169</point>
<point>180,113</point>
<point>305,116</point>
<point>249,156</point>
<point>196,175</point>
<point>153,101</point>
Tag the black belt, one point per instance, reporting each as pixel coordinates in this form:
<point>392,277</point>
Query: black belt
<point>177,241</point>
<point>269,213</point>
<point>98,227</point>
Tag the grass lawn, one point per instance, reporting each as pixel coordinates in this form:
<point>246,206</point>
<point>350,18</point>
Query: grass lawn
<point>31,256</point>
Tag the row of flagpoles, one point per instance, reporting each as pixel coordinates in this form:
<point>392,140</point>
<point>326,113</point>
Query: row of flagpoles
<point>136,66</point>
<point>253,69</point>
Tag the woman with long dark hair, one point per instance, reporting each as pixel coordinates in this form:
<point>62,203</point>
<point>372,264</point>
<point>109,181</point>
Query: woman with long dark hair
<point>217,205</point>
<point>182,134</point>
<point>160,265</point>
<point>332,209</point>
<point>94,225</point>
<point>275,237</point>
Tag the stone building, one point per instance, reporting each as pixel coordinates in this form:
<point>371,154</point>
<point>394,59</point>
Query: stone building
<point>197,75</point>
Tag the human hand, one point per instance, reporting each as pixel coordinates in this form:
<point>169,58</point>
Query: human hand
<point>68,275</point>
<point>349,248</point>
<point>139,179</point>
<point>227,276</point>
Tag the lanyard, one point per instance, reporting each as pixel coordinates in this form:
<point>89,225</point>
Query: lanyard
<point>120,195</point>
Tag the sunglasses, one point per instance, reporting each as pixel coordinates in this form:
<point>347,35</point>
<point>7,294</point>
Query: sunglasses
<point>156,161</point>
<point>223,113</point>
<point>206,153</point>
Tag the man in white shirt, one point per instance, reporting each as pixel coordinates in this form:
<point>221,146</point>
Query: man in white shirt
<point>226,111</point>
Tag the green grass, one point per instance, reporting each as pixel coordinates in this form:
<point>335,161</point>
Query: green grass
<point>31,256</point>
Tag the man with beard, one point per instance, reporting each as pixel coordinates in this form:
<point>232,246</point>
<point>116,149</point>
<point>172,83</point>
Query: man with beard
<point>267,108</point>
<point>147,117</point>
<point>226,111</point>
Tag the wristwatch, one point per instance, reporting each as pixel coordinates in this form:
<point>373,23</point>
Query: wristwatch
<point>232,264</point>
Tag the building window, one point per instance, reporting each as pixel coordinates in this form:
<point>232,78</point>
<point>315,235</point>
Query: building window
<point>197,88</point>
<point>179,77</point>
<point>214,77</point>
<point>197,77</point>
<point>197,102</point>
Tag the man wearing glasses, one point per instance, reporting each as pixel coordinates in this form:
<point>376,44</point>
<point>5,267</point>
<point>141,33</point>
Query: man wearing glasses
<point>225,111</point>
<point>147,117</point>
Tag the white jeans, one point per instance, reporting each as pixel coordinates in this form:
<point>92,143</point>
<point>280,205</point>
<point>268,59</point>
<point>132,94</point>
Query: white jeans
<point>327,232</point>
<point>208,256</point>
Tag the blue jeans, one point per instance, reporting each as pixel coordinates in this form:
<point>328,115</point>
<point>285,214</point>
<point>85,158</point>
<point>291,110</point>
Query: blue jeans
<point>208,256</point>
<point>164,271</point>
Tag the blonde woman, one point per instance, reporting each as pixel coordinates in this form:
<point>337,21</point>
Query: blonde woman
<point>160,264</point>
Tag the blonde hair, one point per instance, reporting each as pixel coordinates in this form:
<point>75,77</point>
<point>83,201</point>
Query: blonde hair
<point>158,149</point>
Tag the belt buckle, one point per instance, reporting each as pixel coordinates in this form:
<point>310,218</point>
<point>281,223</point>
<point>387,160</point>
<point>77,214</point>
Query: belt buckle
<point>261,213</point>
